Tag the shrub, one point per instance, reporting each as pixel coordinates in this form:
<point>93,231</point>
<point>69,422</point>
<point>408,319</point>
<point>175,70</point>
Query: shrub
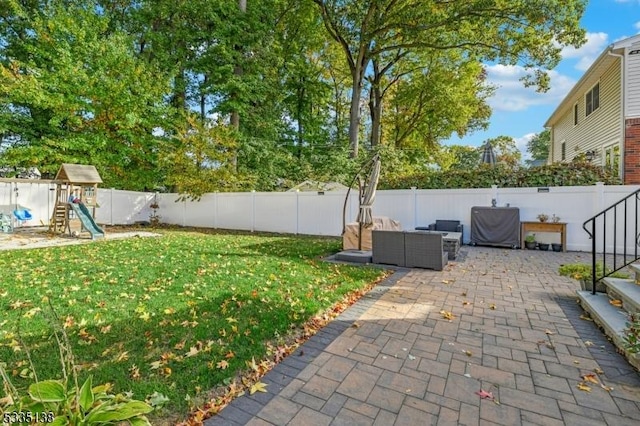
<point>582,271</point>
<point>558,174</point>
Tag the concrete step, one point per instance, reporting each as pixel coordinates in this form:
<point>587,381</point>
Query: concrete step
<point>635,268</point>
<point>611,318</point>
<point>625,290</point>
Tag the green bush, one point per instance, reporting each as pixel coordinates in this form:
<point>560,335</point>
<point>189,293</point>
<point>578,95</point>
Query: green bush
<point>559,174</point>
<point>582,271</point>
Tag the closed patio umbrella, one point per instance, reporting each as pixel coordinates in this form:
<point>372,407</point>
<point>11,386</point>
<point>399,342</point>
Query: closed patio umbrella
<point>367,194</point>
<point>488,155</point>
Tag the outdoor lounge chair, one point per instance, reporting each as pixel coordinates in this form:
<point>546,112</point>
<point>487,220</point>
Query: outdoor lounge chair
<point>388,247</point>
<point>424,250</point>
<point>446,225</point>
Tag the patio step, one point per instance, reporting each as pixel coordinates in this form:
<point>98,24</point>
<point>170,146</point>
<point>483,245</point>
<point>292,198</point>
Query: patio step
<point>635,267</point>
<point>625,290</point>
<point>611,318</point>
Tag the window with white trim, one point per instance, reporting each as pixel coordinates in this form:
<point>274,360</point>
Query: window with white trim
<point>592,100</point>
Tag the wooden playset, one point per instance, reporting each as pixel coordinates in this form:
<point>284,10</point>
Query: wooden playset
<point>76,200</point>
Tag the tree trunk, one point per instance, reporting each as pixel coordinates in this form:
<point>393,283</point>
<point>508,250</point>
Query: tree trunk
<point>237,70</point>
<point>299,108</point>
<point>180,91</point>
<point>354,111</point>
<point>203,101</point>
<point>375,106</point>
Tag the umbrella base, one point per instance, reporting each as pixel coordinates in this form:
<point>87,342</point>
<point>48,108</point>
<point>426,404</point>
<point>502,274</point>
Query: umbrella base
<point>354,256</point>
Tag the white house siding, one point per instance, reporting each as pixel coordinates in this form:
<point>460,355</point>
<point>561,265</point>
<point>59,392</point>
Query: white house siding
<point>602,127</point>
<point>633,82</point>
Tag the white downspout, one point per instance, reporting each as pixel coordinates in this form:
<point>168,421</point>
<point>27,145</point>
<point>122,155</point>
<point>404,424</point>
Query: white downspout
<point>623,108</point>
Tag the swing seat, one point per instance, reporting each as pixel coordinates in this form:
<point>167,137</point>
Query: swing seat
<point>22,214</point>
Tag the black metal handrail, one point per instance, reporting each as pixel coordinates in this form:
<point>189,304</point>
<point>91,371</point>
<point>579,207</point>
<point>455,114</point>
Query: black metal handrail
<point>600,221</point>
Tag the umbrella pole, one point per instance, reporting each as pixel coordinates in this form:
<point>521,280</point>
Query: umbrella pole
<point>360,191</point>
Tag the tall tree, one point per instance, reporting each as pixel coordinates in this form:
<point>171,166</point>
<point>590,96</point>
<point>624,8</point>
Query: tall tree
<point>506,150</point>
<point>432,96</point>
<point>538,146</point>
<point>72,90</point>
<point>199,158</point>
<point>529,32</point>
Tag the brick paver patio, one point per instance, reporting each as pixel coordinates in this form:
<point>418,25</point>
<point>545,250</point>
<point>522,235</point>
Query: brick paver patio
<point>392,359</point>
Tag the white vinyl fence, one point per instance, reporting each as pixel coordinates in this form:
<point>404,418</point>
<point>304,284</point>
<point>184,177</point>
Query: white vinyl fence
<point>321,214</point>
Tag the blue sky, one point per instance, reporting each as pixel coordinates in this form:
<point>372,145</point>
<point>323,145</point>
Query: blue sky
<point>521,112</point>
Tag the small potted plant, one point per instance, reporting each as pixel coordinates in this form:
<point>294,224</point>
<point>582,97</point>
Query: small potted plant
<point>543,246</point>
<point>530,241</point>
<point>543,217</point>
<point>556,247</point>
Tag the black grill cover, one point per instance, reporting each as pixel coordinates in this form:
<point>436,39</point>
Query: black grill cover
<point>495,226</point>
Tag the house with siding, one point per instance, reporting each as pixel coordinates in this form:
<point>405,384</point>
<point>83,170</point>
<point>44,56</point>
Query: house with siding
<point>600,117</point>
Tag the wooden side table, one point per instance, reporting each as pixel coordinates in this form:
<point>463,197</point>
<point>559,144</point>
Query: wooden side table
<point>560,227</point>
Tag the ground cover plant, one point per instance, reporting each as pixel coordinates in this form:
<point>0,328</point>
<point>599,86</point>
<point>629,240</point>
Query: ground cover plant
<point>174,315</point>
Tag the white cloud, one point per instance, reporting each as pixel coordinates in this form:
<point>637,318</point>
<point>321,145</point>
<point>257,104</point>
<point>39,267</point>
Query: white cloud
<point>511,94</point>
<point>588,52</point>
<point>637,26</point>
<point>521,143</point>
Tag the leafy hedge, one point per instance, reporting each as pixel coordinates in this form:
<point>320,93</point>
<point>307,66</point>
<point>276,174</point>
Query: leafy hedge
<point>483,176</point>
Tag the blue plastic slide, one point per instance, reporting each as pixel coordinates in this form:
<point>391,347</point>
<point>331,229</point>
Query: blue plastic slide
<point>83,213</point>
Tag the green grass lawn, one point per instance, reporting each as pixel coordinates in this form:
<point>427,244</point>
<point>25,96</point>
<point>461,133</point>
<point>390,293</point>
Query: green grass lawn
<point>160,314</point>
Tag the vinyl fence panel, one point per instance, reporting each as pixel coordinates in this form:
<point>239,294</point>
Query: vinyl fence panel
<point>322,214</point>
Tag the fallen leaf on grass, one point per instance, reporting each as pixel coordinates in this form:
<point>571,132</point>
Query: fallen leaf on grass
<point>222,365</point>
<point>156,364</point>
<point>483,394</point>
<point>122,356</point>
<point>134,372</point>
<point>193,351</point>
